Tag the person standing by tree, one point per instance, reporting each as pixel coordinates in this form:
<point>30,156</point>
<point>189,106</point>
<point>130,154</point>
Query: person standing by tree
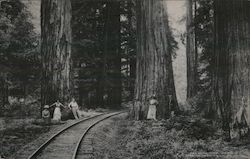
<point>57,111</point>
<point>137,109</point>
<point>152,108</point>
<point>75,108</point>
<point>46,115</point>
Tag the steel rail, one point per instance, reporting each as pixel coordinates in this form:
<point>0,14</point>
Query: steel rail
<point>88,129</point>
<point>47,142</point>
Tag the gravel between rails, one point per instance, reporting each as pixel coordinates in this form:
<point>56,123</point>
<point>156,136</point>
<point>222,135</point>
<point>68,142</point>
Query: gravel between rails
<point>100,141</point>
<point>63,145</point>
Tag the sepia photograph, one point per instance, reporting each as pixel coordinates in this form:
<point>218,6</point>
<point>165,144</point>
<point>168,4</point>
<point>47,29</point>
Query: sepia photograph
<point>124,79</point>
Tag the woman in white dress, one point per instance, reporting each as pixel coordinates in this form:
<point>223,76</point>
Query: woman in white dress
<point>75,108</point>
<point>57,111</point>
<point>152,108</point>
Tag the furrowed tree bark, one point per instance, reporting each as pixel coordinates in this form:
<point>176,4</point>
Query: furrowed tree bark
<point>56,51</point>
<point>191,52</point>
<point>232,55</point>
<point>154,72</point>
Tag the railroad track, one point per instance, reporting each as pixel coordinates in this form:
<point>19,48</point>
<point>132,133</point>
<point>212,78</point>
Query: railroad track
<point>66,143</point>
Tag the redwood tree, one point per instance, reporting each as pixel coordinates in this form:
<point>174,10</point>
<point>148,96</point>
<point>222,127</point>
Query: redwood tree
<point>132,46</point>
<point>56,50</point>
<point>154,74</point>
<point>191,51</point>
<point>231,89</point>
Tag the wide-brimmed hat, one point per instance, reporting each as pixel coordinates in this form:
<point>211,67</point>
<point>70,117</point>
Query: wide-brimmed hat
<point>46,107</point>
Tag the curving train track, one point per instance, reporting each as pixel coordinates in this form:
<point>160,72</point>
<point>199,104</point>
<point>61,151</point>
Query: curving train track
<point>66,143</point>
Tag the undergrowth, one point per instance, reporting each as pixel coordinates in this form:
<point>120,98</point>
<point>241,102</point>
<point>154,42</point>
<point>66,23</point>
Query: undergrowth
<point>179,137</point>
<point>12,139</point>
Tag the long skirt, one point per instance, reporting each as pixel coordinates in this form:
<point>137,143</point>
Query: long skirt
<point>76,113</point>
<point>57,114</point>
<point>151,112</point>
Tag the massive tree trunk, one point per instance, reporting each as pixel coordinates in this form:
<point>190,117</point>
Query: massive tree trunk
<point>112,54</point>
<point>56,50</point>
<point>191,52</point>
<point>154,73</point>
<point>232,55</point>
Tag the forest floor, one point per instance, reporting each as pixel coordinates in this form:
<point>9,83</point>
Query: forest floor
<point>120,138</point>
<point>17,132</point>
<point>179,137</point>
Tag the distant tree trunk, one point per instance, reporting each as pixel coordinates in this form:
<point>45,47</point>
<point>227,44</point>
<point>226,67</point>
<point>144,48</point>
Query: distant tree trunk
<point>56,50</point>
<point>112,54</point>
<point>154,73</point>
<point>132,66</point>
<point>191,51</point>
<point>132,57</point>
<point>100,86</point>
<point>3,91</point>
<point>1,96</point>
<point>232,54</point>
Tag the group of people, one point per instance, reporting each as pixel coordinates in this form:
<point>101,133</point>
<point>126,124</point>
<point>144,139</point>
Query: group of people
<point>57,115</point>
